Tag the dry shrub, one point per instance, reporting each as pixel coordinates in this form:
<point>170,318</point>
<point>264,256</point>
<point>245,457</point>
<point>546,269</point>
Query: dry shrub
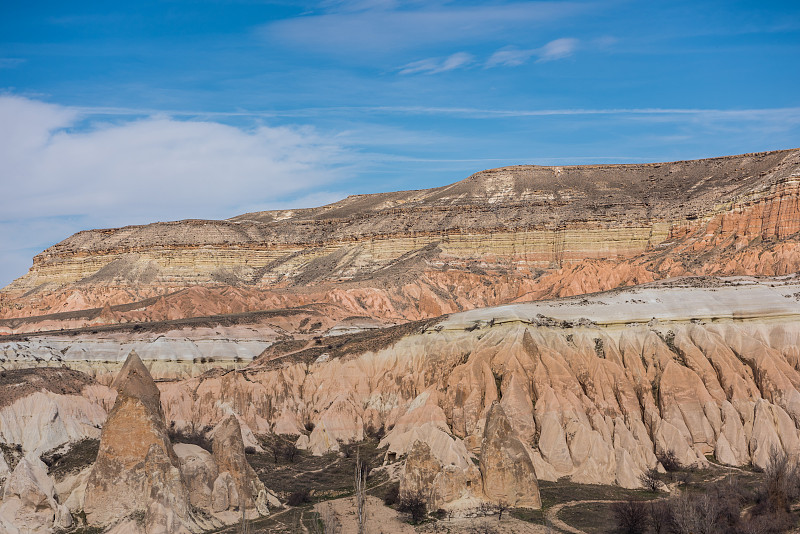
<point>631,517</point>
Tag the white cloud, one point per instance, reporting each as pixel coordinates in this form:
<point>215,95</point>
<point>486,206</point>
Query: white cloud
<point>558,49</point>
<point>53,167</point>
<point>155,166</point>
<point>437,65</point>
<point>510,57</point>
<point>386,27</point>
<point>514,57</point>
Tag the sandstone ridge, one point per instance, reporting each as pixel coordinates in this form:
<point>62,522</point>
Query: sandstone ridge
<point>517,233</point>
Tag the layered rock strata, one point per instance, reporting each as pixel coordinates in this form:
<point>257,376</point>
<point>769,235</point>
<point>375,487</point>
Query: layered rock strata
<point>517,233</point>
<point>594,387</point>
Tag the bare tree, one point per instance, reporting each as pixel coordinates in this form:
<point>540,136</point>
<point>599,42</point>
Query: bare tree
<point>502,506</point>
<point>327,521</point>
<point>630,516</point>
<point>660,516</point>
<point>650,480</point>
<point>361,491</point>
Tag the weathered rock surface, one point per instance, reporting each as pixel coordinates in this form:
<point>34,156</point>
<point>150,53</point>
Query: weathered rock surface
<point>29,503</point>
<point>139,472</point>
<point>517,233</point>
<point>507,470</point>
<point>240,480</point>
<point>592,389</point>
<point>441,485</point>
<point>118,484</point>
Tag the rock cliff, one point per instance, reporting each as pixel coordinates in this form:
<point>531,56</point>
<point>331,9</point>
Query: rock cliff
<point>512,234</point>
<point>525,324</point>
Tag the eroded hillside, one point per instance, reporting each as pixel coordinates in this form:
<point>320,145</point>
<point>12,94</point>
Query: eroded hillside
<point>513,234</point>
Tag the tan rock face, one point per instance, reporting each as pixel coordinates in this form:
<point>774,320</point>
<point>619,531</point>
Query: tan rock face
<point>118,483</point>
<point>506,466</point>
<point>167,499</point>
<point>237,477</point>
<point>29,503</point>
<point>426,253</point>
<point>441,485</point>
<point>200,471</point>
<point>138,469</point>
<point>593,401</point>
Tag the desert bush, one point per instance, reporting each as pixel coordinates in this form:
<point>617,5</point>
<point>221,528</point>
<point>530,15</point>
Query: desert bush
<point>650,480</point>
<point>631,517</point>
<point>669,460</point>
<point>712,512</point>
<point>391,495</point>
<point>414,504</point>
<point>298,498</point>
<point>780,487</point>
<point>375,433</point>
<point>290,452</point>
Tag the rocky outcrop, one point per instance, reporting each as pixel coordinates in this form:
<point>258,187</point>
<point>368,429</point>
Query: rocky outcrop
<point>119,482</point>
<point>448,486</point>
<point>139,472</point>
<point>517,233</point>
<point>586,384</point>
<point>44,408</point>
<point>507,471</point>
<point>29,503</point>
<point>237,483</point>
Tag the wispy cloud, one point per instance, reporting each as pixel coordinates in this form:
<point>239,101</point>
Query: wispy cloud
<point>146,169</point>
<point>514,57</point>
<point>436,65</point>
<point>789,113</point>
<point>558,49</point>
<point>10,62</point>
<point>383,27</point>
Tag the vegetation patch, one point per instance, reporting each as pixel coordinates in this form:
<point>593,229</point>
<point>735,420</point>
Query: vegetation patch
<point>320,477</point>
<point>78,457</point>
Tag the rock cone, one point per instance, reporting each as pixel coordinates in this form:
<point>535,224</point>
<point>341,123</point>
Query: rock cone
<point>506,466</point>
<point>119,483</point>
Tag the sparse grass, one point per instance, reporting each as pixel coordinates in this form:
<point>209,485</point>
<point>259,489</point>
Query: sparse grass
<point>564,490</point>
<point>323,477</point>
<point>529,515</point>
<point>589,517</point>
<point>79,456</point>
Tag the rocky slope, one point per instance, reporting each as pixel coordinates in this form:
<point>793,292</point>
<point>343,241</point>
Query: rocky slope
<point>137,482</point>
<point>517,233</point>
<point>484,403</point>
<point>595,388</point>
<point>525,324</point>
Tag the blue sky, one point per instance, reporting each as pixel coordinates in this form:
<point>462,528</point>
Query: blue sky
<point>117,113</point>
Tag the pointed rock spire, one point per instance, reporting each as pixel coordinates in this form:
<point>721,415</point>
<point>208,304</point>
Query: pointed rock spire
<point>118,483</point>
<point>134,380</point>
<point>506,464</point>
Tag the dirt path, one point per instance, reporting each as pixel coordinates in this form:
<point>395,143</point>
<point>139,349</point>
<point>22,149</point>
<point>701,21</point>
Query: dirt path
<point>323,468</point>
<point>552,514</point>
